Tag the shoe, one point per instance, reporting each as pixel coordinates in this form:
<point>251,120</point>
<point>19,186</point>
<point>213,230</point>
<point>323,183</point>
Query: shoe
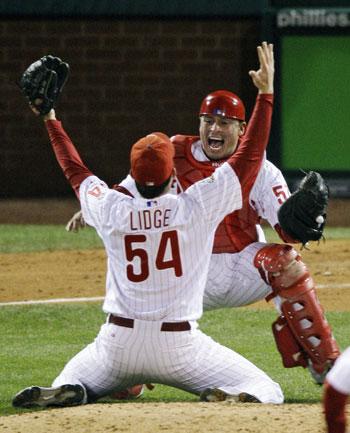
<point>65,395</point>
<point>216,394</point>
<point>131,393</point>
<point>319,378</point>
<point>319,375</point>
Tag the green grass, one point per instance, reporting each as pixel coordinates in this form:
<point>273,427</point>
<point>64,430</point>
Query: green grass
<point>36,342</point>
<point>329,233</point>
<point>337,232</point>
<point>27,238</point>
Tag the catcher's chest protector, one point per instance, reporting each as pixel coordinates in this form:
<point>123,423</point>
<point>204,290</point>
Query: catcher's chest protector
<point>238,229</point>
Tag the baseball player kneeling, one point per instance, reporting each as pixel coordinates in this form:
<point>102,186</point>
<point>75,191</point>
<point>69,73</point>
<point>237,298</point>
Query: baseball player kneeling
<point>158,248</point>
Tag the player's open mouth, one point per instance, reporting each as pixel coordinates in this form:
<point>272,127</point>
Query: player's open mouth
<point>215,143</point>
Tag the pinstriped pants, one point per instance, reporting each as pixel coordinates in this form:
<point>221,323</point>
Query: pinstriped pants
<point>233,280</point>
<point>190,360</point>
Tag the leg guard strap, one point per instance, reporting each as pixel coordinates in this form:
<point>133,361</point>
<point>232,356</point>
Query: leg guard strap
<point>291,352</point>
<point>306,320</point>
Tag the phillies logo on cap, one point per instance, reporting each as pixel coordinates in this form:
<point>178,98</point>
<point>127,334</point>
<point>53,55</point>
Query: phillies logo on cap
<point>218,112</point>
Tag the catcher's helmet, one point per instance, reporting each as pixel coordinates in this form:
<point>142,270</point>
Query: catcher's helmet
<point>223,103</point>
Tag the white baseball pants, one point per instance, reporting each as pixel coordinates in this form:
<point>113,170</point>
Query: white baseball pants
<point>233,280</point>
<point>190,360</point>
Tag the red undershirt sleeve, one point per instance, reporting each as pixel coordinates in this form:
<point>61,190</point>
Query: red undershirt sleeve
<point>334,406</point>
<point>246,161</point>
<point>67,155</point>
<point>121,189</point>
<point>284,236</point>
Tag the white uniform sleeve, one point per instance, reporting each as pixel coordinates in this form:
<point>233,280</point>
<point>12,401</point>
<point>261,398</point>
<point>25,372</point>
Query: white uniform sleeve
<point>218,194</point>
<point>270,190</point>
<point>92,193</point>
<point>339,375</point>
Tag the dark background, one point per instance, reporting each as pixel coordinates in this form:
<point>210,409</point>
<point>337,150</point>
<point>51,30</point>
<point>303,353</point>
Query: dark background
<point>128,77</point>
<point>136,67</point>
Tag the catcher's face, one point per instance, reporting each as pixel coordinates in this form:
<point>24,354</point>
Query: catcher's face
<point>219,135</point>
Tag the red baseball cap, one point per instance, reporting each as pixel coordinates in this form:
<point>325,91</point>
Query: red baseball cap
<point>151,159</point>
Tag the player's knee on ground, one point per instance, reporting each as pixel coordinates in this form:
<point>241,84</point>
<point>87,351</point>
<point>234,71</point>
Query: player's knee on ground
<point>271,392</point>
<point>265,390</point>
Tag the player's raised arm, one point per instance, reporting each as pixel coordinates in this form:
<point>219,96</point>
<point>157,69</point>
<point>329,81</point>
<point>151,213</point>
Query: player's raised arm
<point>246,161</point>
<point>67,155</point>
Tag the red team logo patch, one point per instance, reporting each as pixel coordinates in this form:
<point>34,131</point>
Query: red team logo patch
<point>95,191</point>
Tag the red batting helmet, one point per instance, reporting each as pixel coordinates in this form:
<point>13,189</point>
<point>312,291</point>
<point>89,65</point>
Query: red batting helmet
<point>223,103</point>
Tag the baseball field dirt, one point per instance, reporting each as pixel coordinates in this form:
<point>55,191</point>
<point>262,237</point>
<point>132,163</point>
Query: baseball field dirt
<point>45,275</point>
<point>170,418</point>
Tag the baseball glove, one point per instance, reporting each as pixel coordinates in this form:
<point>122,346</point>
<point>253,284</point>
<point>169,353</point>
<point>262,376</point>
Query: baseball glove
<point>303,215</point>
<point>42,82</point>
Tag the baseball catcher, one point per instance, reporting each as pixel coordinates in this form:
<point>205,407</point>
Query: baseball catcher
<point>42,83</point>
<point>302,333</point>
<point>244,268</point>
<point>303,215</point>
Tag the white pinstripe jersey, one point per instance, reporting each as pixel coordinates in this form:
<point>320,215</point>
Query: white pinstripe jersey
<point>339,375</point>
<point>159,250</point>
<point>268,193</point>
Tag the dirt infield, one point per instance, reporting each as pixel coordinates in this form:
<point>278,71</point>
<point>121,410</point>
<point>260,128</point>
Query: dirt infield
<point>61,274</point>
<point>171,418</point>
<point>66,274</point>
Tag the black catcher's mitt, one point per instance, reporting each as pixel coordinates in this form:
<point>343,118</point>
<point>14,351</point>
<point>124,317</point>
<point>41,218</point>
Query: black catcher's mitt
<point>42,82</point>
<point>303,215</point>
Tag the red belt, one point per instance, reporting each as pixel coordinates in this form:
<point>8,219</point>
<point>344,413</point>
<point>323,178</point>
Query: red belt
<point>166,326</point>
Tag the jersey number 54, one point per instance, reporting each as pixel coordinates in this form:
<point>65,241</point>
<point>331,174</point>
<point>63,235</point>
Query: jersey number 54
<point>168,240</point>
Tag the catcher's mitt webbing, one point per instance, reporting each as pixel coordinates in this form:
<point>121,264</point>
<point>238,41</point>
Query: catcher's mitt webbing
<point>42,82</point>
<point>303,215</point>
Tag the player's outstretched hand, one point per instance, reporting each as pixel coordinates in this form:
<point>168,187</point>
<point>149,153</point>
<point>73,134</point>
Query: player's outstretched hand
<point>263,77</point>
<point>51,115</point>
<point>76,223</point>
